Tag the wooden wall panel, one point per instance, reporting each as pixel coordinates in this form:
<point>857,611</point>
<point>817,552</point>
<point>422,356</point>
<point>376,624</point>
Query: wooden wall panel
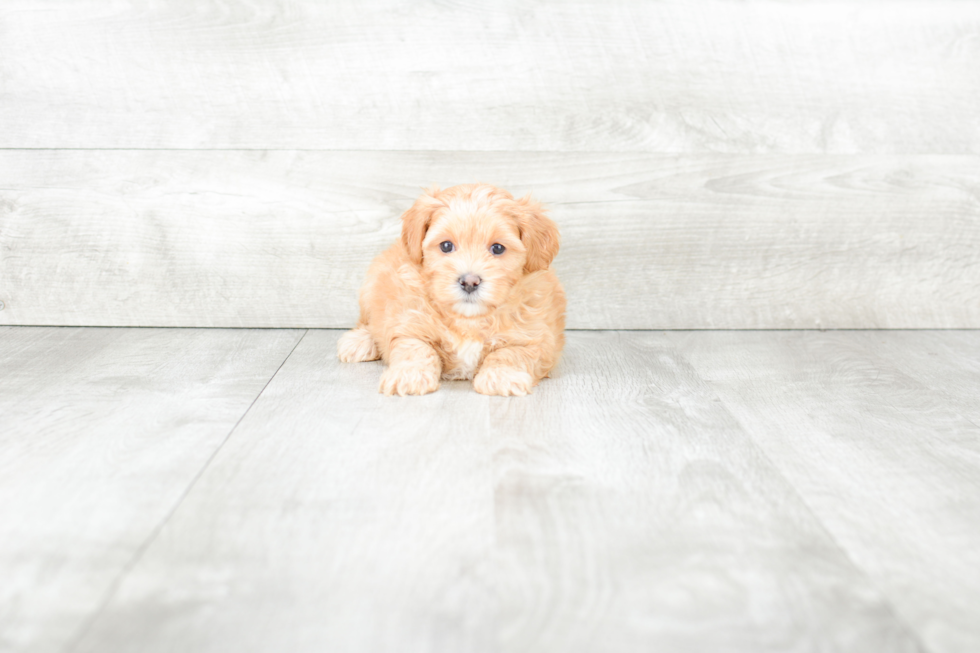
<point>755,76</point>
<point>282,239</point>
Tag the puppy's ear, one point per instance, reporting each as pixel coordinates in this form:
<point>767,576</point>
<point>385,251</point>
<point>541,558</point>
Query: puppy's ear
<point>538,233</point>
<point>416,221</point>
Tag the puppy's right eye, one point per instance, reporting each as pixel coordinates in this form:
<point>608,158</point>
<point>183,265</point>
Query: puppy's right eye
<point>446,246</point>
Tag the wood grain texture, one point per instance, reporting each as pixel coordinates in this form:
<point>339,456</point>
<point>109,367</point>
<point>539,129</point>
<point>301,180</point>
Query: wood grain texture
<point>335,519</point>
<point>888,463</point>
<point>619,508</point>
<point>635,514</point>
<point>947,362</point>
<point>592,75</point>
<point>102,432</point>
<point>283,239</point>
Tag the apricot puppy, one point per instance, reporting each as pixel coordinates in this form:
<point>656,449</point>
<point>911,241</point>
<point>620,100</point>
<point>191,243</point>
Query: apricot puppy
<point>466,293</point>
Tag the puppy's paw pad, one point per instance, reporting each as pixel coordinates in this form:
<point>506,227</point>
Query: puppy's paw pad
<point>405,379</point>
<point>503,381</point>
<point>357,346</point>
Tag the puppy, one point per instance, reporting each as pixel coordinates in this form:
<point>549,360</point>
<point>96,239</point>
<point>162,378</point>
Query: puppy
<point>466,293</point>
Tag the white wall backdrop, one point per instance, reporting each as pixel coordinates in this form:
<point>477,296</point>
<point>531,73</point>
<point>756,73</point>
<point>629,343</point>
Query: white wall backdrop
<point>712,164</point>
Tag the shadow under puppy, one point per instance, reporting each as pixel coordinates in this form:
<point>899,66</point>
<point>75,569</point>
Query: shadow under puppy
<point>466,293</point>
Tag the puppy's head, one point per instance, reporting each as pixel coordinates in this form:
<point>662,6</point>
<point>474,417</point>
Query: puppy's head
<point>474,242</point>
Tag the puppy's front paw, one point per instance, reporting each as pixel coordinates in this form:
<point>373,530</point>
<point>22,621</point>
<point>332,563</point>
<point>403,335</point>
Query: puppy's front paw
<point>409,379</point>
<point>357,346</point>
<point>503,381</point>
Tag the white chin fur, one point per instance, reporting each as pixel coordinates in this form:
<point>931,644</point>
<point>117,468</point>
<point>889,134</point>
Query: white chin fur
<point>469,309</point>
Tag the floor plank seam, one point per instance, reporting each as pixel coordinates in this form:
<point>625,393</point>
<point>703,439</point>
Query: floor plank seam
<point>886,599</point>
<point>114,586</point>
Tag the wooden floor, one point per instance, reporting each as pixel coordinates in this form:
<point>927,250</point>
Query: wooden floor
<point>745,164</point>
<point>241,490</point>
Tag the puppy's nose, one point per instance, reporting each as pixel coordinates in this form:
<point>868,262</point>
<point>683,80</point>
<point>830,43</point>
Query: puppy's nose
<point>469,282</point>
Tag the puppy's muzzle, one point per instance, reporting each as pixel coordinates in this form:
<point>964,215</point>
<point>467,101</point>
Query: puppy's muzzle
<point>469,282</point>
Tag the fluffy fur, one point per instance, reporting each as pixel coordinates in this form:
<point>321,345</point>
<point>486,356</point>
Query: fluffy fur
<point>416,315</point>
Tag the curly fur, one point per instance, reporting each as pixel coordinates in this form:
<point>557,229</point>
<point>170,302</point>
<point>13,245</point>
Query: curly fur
<point>506,336</point>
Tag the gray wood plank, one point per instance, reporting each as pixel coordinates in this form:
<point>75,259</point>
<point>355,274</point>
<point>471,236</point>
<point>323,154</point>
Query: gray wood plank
<point>102,432</point>
<point>283,239</point>
<point>335,519</point>
<point>887,463</point>
<point>947,362</point>
<point>617,508</point>
<point>745,76</point>
<point>635,514</point>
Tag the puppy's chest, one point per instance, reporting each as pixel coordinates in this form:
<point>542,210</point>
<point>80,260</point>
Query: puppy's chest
<point>462,358</point>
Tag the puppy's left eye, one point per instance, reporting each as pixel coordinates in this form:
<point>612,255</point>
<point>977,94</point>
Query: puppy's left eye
<point>497,249</point>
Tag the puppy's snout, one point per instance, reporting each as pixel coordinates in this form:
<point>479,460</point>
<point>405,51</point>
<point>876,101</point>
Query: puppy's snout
<point>469,282</point>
